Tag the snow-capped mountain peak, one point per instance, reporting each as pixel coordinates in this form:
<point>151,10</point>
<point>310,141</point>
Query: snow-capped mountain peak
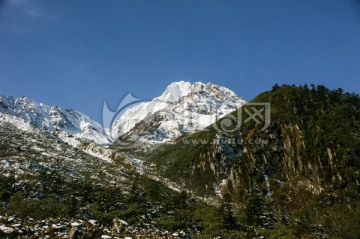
<point>176,90</point>
<point>183,107</point>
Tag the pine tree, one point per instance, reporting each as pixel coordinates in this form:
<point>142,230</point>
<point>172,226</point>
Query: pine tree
<point>183,204</point>
<point>259,212</point>
<point>227,215</point>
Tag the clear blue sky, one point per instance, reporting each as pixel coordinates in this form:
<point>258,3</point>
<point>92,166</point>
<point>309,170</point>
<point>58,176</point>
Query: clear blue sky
<point>80,53</point>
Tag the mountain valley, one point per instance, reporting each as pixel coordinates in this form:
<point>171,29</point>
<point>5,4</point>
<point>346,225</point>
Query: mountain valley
<point>196,162</point>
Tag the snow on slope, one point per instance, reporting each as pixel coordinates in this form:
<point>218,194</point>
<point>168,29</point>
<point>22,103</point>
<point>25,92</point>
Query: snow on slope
<point>134,115</point>
<point>28,150</point>
<point>183,107</point>
<point>53,118</point>
<point>17,122</point>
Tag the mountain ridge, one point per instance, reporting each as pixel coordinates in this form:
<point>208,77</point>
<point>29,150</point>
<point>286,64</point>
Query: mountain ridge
<point>54,118</point>
<point>182,108</point>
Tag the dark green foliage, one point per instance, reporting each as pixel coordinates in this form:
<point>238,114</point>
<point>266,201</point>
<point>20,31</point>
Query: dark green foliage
<point>260,212</point>
<point>48,207</point>
<point>345,222</point>
<point>184,206</point>
<point>7,187</point>
<point>144,201</point>
<point>181,208</point>
<point>329,121</point>
<point>227,215</point>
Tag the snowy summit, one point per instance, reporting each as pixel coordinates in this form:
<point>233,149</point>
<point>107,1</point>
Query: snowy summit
<point>182,108</point>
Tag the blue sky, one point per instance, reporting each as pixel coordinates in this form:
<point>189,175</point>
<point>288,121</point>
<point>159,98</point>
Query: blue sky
<point>80,53</point>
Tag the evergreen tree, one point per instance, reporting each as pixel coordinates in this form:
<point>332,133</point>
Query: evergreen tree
<point>259,212</point>
<point>227,215</point>
<point>183,204</point>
